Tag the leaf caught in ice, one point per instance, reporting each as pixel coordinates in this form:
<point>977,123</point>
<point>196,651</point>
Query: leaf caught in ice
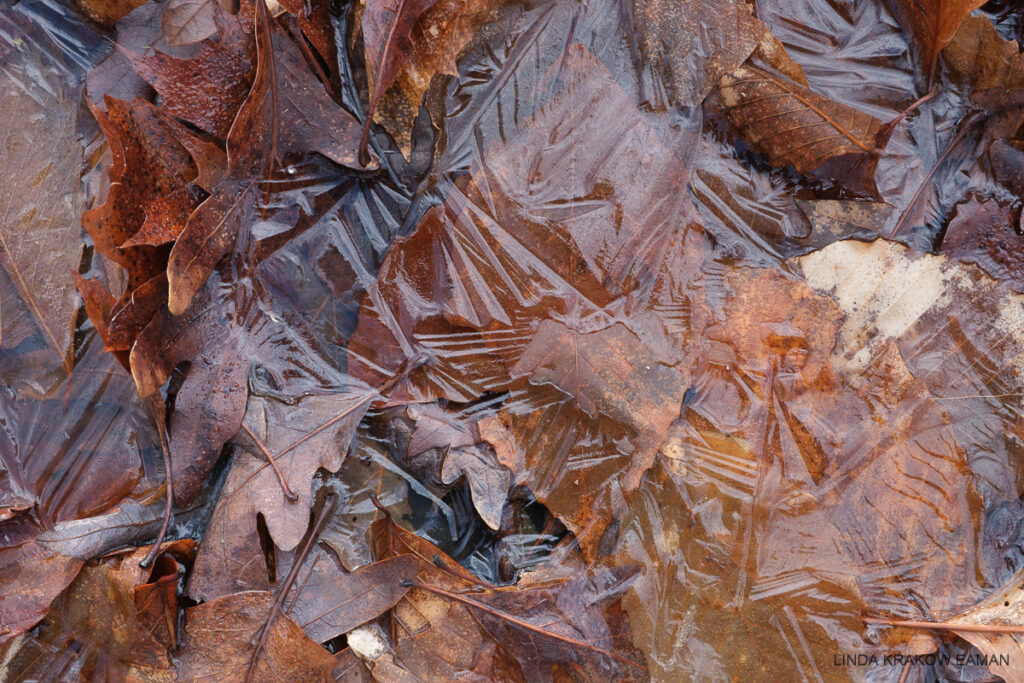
<point>39,228</point>
<point>286,114</point>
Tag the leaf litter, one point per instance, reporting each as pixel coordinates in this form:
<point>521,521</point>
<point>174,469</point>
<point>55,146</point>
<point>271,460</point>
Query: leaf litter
<point>511,341</point>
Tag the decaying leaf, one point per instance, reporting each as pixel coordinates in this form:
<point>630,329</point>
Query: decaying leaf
<point>691,46</point>
<point>796,127</point>
<point>218,643</point>
<point>435,38</point>
<point>209,89</point>
<point>115,620</point>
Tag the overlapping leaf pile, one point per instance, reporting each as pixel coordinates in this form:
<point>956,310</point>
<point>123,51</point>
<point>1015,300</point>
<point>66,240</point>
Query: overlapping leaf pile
<point>680,355</point>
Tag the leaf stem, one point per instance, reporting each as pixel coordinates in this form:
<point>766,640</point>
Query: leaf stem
<point>156,411</point>
<point>289,494</point>
<point>525,624</point>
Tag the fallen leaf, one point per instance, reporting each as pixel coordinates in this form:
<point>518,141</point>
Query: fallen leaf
<point>387,40</point>
<point>1001,651</point>
<point>931,24</point>
<point>691,46</point>
<point>218,643</point>
<point>981,231</point>
<point>33,576</point>
<point>978,58</point>
<point>188,21</point>
<point>107,11</point>
<point>796,127</point>
<point>207,90</point>
<point>113,620</point>
<point>220,338</point>
<point>328,601</point>
<point>435,39</point>
<point>39,228</point>
<point>288,114</point>
<point>314,17</point>
<point>435,639</point>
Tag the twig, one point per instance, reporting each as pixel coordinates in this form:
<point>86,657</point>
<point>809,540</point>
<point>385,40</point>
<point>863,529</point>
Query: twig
<point>289,494</point>
<point>282,593</point>
<point>945,625</point>
<point>156,411</point>
<point>523,624</point>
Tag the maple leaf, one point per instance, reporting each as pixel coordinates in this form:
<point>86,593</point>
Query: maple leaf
<point>286,114</point>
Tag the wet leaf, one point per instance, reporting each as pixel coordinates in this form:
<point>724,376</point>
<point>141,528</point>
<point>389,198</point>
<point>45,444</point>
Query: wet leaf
<point>207,90</point>
<point>796,127</point>
<point>329,601</point>
<point>435,38</point>
<point>691,46</point>
<point>289,114</point>
<point>931,24</point>
<point>115,619</point>
<point>188,21</point>
<point>39,228</point>
<point>218,643</point>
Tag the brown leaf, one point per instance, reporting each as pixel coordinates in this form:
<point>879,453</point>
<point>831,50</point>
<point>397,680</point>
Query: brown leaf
<point>115,620</point>
<point>435,639</point>
<point>489,480</point>
<point>1003,652</point>
<point>207,90</point>
<point>513,261</point>
<point>387,31</point>
<point>32,577</point>
<point>188,21</point>
<point>286,114</point>
<point>435,40</point>
<point>691,46</point>
<point>233,560</point>
<point>982,232</point>
<point>796,127</point>
<point>166,217</point>
<point>548,628</point>
<point>564,627</point>
<point>42,161</point>
<point>314,18</point>
<point>221,338</point>
<point>931,24</point>
<point>147,164</point>
<point>978,58</point>
<point>107,11</point>
<point>328,601</point>
<point>218,643</point>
